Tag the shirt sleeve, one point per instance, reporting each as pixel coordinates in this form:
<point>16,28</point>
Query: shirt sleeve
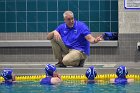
<point>86,30</point>
<point>59,28</point>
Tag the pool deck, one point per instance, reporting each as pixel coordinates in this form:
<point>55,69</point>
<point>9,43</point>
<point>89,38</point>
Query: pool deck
<point>38,68</point>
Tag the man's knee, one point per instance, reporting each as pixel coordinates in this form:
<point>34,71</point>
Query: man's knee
<point>66,61</point>
<point>56,41</point>
<point>53,41</point>
<point>50,36</point>
<point>70,62</point>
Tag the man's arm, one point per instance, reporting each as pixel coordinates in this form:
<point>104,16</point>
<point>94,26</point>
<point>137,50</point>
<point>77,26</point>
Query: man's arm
<point>92,39</point>
<point>54,34</point>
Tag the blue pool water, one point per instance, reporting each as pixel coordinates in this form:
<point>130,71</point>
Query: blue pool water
<point>70,87</point>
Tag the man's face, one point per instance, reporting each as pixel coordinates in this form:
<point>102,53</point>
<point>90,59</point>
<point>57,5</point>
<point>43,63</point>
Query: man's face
<point>69,20</point>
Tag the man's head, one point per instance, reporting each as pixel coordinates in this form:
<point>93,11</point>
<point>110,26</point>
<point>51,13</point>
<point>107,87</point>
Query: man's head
<point>91,73</point>
<point>7,74</point>
<point>50,70</point>
<point>69,18</point>
<point>121,72</point>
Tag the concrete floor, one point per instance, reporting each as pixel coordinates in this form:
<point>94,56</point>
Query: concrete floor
<point>38,68</point>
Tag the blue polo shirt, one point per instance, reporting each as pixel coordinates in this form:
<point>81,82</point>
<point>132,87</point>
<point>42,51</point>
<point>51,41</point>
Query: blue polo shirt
<point>74,38</point>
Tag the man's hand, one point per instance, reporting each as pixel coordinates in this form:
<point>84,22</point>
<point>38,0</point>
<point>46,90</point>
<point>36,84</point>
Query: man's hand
<point>53,35</point>
<point>57,36</point>
<point>99,38</point>
<point>92,39</point>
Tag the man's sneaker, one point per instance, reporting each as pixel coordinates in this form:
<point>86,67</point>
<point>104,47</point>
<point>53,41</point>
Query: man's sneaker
<point>57,64</point>
<point>60,65</point>
<point>81,64</point>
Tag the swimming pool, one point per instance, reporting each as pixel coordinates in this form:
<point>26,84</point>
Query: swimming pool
<point>70,87</point>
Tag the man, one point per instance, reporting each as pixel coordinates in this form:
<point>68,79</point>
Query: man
<point>52,77</point>
<point>71,41</point>
<point>9,77</point>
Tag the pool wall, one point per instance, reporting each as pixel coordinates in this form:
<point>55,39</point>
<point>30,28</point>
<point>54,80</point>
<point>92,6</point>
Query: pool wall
<point>129,35</point>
